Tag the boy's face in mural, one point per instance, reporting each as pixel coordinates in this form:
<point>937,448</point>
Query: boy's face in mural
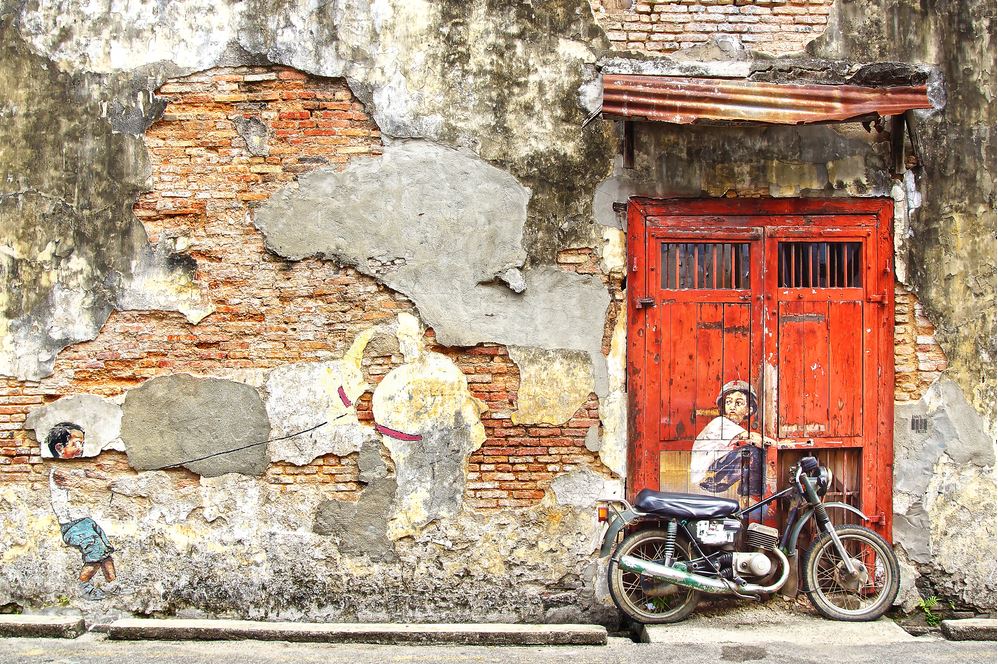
<point>73,447</point>
<point>736,406</point>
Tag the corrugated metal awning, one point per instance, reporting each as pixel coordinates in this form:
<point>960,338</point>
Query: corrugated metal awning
<point>681,100</point>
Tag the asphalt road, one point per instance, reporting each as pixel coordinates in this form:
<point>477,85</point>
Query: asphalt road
<point>96,649</point>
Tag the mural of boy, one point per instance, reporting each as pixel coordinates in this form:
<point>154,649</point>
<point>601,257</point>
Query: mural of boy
<point>65,441</point>
<point>717,462</point>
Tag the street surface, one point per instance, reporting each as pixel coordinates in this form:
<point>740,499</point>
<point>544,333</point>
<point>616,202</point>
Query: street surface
<point>96,649</point>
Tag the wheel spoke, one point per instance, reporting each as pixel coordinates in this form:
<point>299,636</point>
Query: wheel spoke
<point>868,590</point>
<point>644,597</point>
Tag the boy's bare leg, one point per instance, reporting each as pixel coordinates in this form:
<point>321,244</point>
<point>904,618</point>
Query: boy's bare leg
<point>107,565</point>
<point>88,571</point>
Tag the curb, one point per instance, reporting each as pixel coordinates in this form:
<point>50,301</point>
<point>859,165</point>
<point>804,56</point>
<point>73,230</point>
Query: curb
<point>41,626</point>
<point>489,634</point>
<point>970,629</point>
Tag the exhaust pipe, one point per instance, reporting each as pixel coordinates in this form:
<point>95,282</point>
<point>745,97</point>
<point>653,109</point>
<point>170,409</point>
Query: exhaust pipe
<point>705,584</point>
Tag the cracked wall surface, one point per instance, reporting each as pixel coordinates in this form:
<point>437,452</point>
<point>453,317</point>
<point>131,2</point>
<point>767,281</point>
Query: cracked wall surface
<point>226,222</point>
<point>441,227</point>
<point>82,254</point>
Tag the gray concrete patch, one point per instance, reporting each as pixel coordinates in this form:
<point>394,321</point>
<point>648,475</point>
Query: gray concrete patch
<point>99,418</point>
<point>360,527</point>
<point>171,420</point>
<point>439,225</point>
<point>583,487</point>
<point>370,463</point>
<point>254,132</point>
<point>39,626</point>
<point>464,634</point>
<point>970,629</point>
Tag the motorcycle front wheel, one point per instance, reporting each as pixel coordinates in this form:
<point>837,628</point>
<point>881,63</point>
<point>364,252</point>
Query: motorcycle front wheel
<point>644,598</point>
<point>863,595</point>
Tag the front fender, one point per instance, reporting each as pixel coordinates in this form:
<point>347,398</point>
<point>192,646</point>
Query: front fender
<point>614,526</point>
<point>799,526</point>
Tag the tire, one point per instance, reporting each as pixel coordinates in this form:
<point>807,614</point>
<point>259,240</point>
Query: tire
<point>629,590</point>
<point>838,597</point>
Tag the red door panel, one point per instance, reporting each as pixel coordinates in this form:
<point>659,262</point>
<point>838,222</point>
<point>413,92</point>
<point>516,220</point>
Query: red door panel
<point>790,296</point>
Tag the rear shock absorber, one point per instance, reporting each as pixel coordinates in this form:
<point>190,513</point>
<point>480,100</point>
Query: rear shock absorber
<point>670,542</point>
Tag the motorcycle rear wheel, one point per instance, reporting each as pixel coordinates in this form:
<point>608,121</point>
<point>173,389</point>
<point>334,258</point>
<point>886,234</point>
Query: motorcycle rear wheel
<point>643,598</point>
<point>839,596</point>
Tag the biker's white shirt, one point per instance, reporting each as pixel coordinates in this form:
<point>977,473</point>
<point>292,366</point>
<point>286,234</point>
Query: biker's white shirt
<point>711,443</point>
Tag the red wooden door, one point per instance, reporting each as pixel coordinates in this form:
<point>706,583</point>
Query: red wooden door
<point>786,302</point>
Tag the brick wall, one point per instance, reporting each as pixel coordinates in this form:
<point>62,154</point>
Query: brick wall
<point>918,359</point>
<point>663,26</point>
<point>269,311</point>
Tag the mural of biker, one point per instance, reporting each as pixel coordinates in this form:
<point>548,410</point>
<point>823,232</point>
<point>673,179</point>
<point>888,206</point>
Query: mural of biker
<point>717,460</point>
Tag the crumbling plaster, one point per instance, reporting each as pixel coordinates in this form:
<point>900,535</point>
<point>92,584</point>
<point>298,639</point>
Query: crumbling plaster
<point>951,248</point>
<point>100,418</point>
<point>450,72</point>
<point>553,384</point>
<point>494,88</point>
<point>70,250</point>
<point>441,226</point>
<point>944,495</point>
<point>232,546</point>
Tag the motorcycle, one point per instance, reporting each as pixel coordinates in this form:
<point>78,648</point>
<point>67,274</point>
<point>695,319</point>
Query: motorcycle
<point>682,545</point>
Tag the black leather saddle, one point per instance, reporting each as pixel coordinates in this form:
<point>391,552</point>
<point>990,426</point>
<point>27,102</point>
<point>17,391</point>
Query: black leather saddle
<point>684,505</point>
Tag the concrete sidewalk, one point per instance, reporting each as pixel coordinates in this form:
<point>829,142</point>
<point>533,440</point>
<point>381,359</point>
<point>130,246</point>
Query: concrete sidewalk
<point>94,648</point>
<point>773,622</point>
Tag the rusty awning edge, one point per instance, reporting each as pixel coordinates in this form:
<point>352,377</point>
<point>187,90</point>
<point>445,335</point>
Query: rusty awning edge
<point>681,100</point>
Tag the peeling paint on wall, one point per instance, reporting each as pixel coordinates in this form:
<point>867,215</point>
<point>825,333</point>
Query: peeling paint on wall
<point>582,488</point>
<point>427,401</point>
<point>467,217</point>
<point>553,384</point>
<point>302,396</point>
<point>70,250</point>
<point>439,226</point>
<point>944,494</point>
<point>99,418</point>
<point>613,408</point>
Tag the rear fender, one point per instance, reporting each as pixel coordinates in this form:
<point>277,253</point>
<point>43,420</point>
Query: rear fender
<point>799,526</point>
<point>616,523</point>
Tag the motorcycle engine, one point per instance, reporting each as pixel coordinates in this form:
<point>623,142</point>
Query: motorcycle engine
<point>752,564</point>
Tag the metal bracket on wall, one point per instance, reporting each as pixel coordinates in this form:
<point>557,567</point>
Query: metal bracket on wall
<point>897,145</point>
<point>916,141</point>
<point>628,147</point>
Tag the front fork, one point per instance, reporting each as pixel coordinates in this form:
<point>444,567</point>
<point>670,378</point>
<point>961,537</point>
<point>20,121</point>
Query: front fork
<point>821,515</point>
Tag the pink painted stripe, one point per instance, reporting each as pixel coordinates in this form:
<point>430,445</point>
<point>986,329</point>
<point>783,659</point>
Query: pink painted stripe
<point>397,434</point>
<point>343,397</point>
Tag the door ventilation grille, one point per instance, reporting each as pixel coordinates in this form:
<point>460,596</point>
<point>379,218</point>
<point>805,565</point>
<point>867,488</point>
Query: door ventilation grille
<point>705,265</point>
<point>820,265</point>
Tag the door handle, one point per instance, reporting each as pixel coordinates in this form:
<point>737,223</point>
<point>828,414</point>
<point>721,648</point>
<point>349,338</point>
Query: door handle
<point>644,302</point>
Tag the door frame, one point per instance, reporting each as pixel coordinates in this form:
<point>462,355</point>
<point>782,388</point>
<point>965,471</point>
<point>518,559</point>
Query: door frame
<point>681,215</point>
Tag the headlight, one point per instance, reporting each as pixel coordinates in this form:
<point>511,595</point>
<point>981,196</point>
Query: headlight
<point>824,480</point>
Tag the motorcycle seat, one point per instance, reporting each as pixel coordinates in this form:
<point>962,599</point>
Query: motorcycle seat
<point>684,505</point>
